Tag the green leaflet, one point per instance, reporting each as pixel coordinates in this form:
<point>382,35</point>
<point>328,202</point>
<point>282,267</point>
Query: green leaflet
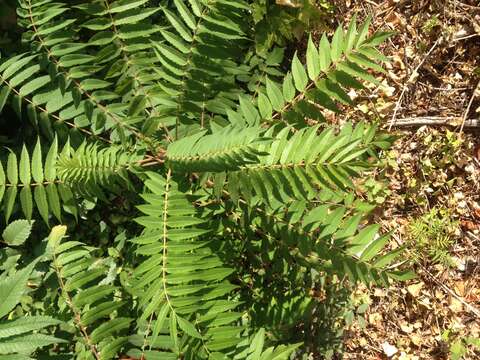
<point>37,163</point>
<point>188,327</point>
<point>24,325</point>
<point>13,287</point>
<point>123,5</point>
<point>12,169</point>
<point>179,25</point>
<point>249,112</point>
<point>34,85</point>
<point>108,328</point>
<point>338,44</point>
<point>288,88</point>
<point>4,93</point>
<point>134,16</point>
<point>275,95</point>
<point>27,343</point>
<point>50,169</point>
<point>24,167</point>
<point>313,60</point>
<point>264,106</point>
<point>97,24</point>
<point>185,14</point>
<point>9,69</point>
<point>17,232</point>
<point>299,75</point>
<point>24,75</point>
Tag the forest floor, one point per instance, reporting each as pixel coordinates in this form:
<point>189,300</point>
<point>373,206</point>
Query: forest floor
<point>430,197</point>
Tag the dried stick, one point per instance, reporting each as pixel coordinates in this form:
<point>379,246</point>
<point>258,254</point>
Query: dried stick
<point>435,121</point>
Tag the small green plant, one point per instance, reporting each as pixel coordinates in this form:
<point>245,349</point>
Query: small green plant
<point>431,24</point>
<point>432,235</point>
<point>461,347</point>
<point>432,169</point>
<point>376,191</point>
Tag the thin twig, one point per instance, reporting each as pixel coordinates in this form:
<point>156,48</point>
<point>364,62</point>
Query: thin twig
<point>470,307</point>
<point>465,37</point>
<point>468,6</point>
<point>410,80</point>
<point>467,110</point>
